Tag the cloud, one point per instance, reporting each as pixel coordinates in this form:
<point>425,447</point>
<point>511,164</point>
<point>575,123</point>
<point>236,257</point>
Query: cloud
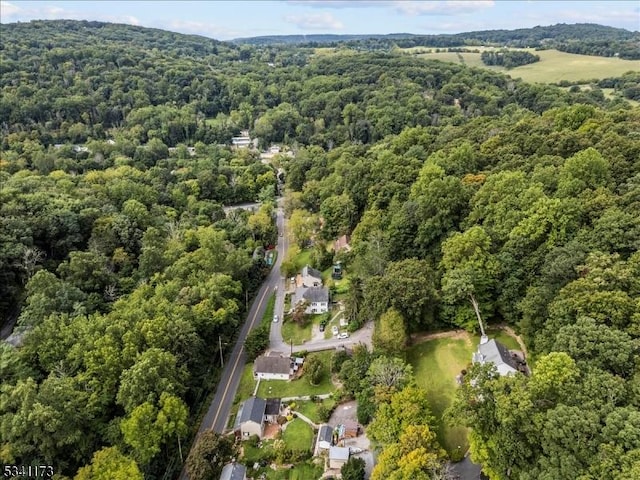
<point>315,21</point>
<point>201,28</point>
<point>11,12</point>
<point>340,3</point>
<point>8,10</point>
<point>444,7</point>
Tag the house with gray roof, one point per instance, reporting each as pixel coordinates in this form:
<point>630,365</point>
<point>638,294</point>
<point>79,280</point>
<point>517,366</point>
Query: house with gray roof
<point>310,277</point>
<point>234,471</point>
<point>317,299</point>
<point>250,418</point>
<point>272,367</point>
<point>493,352</point>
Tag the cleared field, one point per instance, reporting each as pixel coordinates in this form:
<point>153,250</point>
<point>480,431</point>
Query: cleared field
<point>554,66</point>
<point>435,364</point>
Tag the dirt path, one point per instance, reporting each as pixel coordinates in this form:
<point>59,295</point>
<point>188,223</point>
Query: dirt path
<point>509,331</point>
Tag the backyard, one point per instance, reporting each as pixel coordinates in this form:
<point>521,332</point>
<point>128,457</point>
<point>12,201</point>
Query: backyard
<point>301,386</point>
<point>298,435</point>
<point>436,363</point>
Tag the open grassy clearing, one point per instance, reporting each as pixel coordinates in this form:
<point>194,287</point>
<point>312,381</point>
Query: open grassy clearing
<point>301,386</point>
<point>298,435</point>
<point>554,66</point>
<point>436,363</point>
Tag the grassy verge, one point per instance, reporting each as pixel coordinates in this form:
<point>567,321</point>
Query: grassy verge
<point>298,435</point>
<point>436,364</point>
<point>300,386</point>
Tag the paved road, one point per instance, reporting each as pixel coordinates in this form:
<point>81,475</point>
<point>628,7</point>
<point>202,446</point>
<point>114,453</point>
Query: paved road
<point>218,414</point>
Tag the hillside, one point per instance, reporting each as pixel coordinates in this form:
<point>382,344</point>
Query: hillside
<point>586,38</point>
<point>468,197</point>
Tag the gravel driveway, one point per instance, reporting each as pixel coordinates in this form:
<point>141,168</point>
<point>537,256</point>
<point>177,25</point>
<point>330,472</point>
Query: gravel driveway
<point>348,411</point>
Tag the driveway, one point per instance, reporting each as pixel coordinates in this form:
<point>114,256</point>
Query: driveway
<point>348,411</point>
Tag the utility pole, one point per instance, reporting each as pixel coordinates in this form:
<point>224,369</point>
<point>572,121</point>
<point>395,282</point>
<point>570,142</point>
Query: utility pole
<point>220,348</point>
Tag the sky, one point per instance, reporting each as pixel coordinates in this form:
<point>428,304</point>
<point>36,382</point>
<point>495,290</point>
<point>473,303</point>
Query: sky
<point>225,20</point>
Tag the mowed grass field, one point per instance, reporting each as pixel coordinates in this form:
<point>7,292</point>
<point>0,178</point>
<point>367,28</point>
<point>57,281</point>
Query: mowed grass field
<point>554,66</point>
<point>435,364</point>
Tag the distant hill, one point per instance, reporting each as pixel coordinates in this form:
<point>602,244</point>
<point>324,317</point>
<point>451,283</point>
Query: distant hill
<point>65,34</point>
<point>582,38</point>
<point>316,38</point>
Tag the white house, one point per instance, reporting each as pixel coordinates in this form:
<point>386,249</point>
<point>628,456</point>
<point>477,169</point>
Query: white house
<point>272,367</point>
<point>492,351</point>
<point>317,299</point>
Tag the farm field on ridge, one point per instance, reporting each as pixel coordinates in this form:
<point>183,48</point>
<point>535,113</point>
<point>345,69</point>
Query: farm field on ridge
<point>554,66</point>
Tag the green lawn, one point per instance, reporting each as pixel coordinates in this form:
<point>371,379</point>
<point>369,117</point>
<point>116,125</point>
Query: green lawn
<point>554,66</point>
<point>292,331</point>
<point>302,471</point>
<point>436,364</point>
<point>302,259</point>
<point>310,409</point>
<point>298,435</point>
<point>301,386</point>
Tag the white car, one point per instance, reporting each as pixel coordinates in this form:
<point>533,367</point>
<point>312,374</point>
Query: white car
<point>343,335</point>
<point>275,318</point>
<point>334,330</point>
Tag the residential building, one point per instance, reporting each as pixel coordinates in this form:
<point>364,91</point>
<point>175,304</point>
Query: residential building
<point>317,299</point>
<point>492,351</point>
<point>234,471</point>
<point>324,440</point>
<point>310,277</point>
<point>342,243</point>
<point>250,418</point>
<point>348,429</point>
<point>272,367</point>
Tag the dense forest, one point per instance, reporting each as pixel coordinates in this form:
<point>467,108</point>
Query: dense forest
<point>455,183</point>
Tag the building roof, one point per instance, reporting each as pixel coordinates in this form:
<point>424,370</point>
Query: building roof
<point>311,272</point>
<point>496,353</point>
<point>325,434</point>
<point>269,364</point>
<point>311,295</point>
<point>339,453</point>
<point>252,410</point>
<point>316,294</point>
<point>350,425</point>
<point>342,243</point>
<point>233,471</point>
<point>273,406</point>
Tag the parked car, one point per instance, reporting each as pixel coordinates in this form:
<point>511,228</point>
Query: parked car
<point>275,318</point>
<point>322,326</point>
<point>334,330</point>
<point>343,335</point>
